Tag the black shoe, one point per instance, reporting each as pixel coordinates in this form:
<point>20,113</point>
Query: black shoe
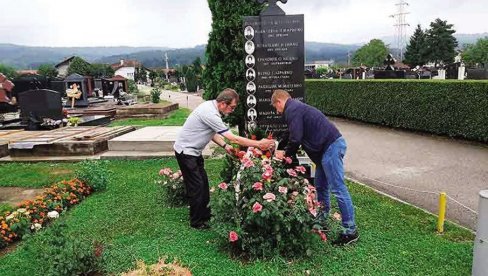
<point>201,226</point>
<point>346,239</point>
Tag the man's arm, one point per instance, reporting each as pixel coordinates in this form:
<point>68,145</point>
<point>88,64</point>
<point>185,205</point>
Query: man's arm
<point>217,139</point>
<point>263,144</point>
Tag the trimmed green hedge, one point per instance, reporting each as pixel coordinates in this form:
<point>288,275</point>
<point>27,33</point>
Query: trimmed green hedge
<point>448,107</point>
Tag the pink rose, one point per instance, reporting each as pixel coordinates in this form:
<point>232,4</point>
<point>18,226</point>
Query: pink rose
<point>305,181</point>
<point>292,172</point>
<point>223,186</point>
<point>288,160</point>
<point>248,163</point>
<point>257,152</point>
<point>300,169</point>
<point>269,197</point>
<point>256,208</point>
<point>233,236</point>
<point>258,186</point>
<point>267,175</point>
<point>282,189</point>
<point>165,171</point>
<point>268,168</point>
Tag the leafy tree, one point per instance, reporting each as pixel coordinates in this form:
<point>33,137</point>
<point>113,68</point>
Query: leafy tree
<point>225,51</point>
<point>8,71</point>
<point>47,70</point>
<point>441,43</point>
<point>477,53</point>
<point>371,54</point>
<point>416,49</point>
<point>79,66</point>
<point>191,80</point>
<point>133,89</point>
<point>99,70</point>
<point>152,76</point>
<point>140,74</point>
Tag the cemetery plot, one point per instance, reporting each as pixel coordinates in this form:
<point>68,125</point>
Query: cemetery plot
<point>70,141</point>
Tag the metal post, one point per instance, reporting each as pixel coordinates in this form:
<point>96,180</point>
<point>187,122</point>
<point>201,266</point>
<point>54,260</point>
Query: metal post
<point>442,213</point>
<point>480,265</point>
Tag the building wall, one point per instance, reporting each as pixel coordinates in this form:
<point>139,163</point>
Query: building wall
<point>126,72</point>
<point>63,70</point>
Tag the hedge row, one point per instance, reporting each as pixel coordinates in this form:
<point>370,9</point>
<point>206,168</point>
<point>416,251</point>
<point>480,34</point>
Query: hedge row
<point>453,108</point>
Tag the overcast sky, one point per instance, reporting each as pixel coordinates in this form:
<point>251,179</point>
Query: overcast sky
<point>186,23</point>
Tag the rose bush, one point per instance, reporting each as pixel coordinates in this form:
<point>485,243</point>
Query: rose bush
<point>267,209</point>
<point>173,188</point>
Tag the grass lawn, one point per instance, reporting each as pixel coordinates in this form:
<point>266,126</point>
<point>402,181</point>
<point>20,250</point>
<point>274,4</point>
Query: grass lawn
<point>131,221</point>
<point>176,118</point>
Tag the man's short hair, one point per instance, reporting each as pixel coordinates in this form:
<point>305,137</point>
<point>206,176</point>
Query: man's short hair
<point>227,95</point>
<point>279,94</point>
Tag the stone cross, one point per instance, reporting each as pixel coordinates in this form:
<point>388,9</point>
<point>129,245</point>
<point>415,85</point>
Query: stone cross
<point>272,8</point>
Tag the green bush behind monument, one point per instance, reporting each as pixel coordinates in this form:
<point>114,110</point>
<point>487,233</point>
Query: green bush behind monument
<point>453,108</point>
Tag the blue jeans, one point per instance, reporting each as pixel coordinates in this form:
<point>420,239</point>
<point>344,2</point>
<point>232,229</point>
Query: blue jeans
<point>329,177</point>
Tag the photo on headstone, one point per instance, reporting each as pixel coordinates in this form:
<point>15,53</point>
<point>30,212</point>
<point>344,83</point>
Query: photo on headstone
<point>249,32</point>
<point>252,114</point>
<point>251,125</point>
<point>250,61</point>
<point>251,87</point>
<point>251,101</point>
<point>249,47</point>
<point>250,74</point>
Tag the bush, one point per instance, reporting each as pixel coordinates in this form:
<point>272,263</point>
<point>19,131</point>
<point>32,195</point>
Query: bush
<point>453,108</point>
<point>155,95</point>
<point>267,210</point>
<point>93,174</point>
<point>173,187</point>
<point>67,255</point>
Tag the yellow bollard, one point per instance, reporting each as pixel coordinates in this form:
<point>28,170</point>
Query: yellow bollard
<point>442,212</point>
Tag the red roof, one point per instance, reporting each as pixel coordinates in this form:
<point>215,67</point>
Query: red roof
<point>126,63</point>
<point>117,78</point>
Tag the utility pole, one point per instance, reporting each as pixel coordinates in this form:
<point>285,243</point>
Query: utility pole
<point>348,58</point>
<point>401,27</point>
<point>167,67</point>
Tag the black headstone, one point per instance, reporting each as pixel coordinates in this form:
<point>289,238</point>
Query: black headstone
<point>40,104</point>
<point>274,46</point>
<point>82,84</point>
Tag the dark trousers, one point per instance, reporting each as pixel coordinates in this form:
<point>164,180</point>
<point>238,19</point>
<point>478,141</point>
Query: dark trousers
<point>196,183</point>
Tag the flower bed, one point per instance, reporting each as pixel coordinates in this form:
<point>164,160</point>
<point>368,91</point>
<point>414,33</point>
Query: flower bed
<point>32,215</point>
<point>174,191</point>
<point>267,209</point>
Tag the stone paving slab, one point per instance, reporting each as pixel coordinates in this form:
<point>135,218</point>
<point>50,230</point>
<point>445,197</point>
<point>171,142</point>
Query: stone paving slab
<point>158,139</point>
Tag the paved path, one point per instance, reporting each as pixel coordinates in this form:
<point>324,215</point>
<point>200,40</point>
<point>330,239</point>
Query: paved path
<point>184,99</point>
<point>399,162</point>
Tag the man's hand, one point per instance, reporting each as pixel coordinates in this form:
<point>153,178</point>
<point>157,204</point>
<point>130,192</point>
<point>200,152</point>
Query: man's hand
<point>266,144</point>
<point>280,154</point>
<point>228,148</point>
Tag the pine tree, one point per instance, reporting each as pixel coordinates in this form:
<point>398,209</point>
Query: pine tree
<point>416,49</point>
<point>225,51</point>
<point>441,43</point>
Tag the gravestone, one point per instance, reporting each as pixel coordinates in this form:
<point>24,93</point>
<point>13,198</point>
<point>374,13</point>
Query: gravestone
<point>82,84</point>
<point>274,46</point>
<point>389,71</point>
<point>36,105</point>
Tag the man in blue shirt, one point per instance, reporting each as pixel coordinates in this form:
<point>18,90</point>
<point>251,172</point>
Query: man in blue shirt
<point>325,145</point>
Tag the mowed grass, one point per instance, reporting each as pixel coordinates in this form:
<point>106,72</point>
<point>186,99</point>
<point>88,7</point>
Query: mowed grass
<point>34,175</point>
<point>175,118</point>
<point>131,221</point>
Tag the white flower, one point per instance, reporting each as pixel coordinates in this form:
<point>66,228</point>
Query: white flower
<point>21,210</point>
<point>11,216</point>
<point>53,214</point>
<point>36,226</point>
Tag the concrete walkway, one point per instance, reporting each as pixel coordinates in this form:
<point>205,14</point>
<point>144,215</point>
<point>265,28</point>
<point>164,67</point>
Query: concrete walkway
<point>411,166</point>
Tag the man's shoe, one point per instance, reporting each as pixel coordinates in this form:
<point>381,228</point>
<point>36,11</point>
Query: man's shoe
<point>346,239</point>
<point>201,226</point>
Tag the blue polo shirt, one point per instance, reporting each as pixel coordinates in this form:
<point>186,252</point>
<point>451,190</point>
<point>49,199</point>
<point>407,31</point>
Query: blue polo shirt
<point>310,128</point>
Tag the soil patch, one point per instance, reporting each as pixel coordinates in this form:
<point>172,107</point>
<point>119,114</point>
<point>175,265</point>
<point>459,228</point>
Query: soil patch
<point>14,195</point>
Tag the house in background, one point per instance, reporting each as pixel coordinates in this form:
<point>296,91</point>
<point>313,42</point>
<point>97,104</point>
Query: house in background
<point>318,64</point>
<point>63,66</point>
<point>126,68</point>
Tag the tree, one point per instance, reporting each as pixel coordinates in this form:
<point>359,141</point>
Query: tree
<point>441,43</point>
<point>79,66</point>
<point>99,70</point>
<point>225,52</point>
<point>140,74</point>
<point>47,70</point>
<point>371,54</point>
<point>8,71</point>
<point>477,53</point>
<point>416,49</point>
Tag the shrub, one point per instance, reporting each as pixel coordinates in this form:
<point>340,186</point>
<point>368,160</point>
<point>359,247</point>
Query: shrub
<point>173,188</point>
<point>454,108</point>
<point>155,95</point>
<point>67,255</point>
<point>94,174</point>
<point>267,210</point>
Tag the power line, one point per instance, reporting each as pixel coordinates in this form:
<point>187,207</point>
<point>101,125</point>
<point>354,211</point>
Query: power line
<point>401,27</point>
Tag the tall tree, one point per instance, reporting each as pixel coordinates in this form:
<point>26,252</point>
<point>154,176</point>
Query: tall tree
<point>99,70</point>
<point>371,54</point>
<point>441,43</point>
<point>79,66</point>
<point>47,70</point>
<point>477,54</point>
<point>225,51</point>
<point>416,49</point>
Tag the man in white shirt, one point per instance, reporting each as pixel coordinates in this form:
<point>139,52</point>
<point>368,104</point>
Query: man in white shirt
<point>203,125</point>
